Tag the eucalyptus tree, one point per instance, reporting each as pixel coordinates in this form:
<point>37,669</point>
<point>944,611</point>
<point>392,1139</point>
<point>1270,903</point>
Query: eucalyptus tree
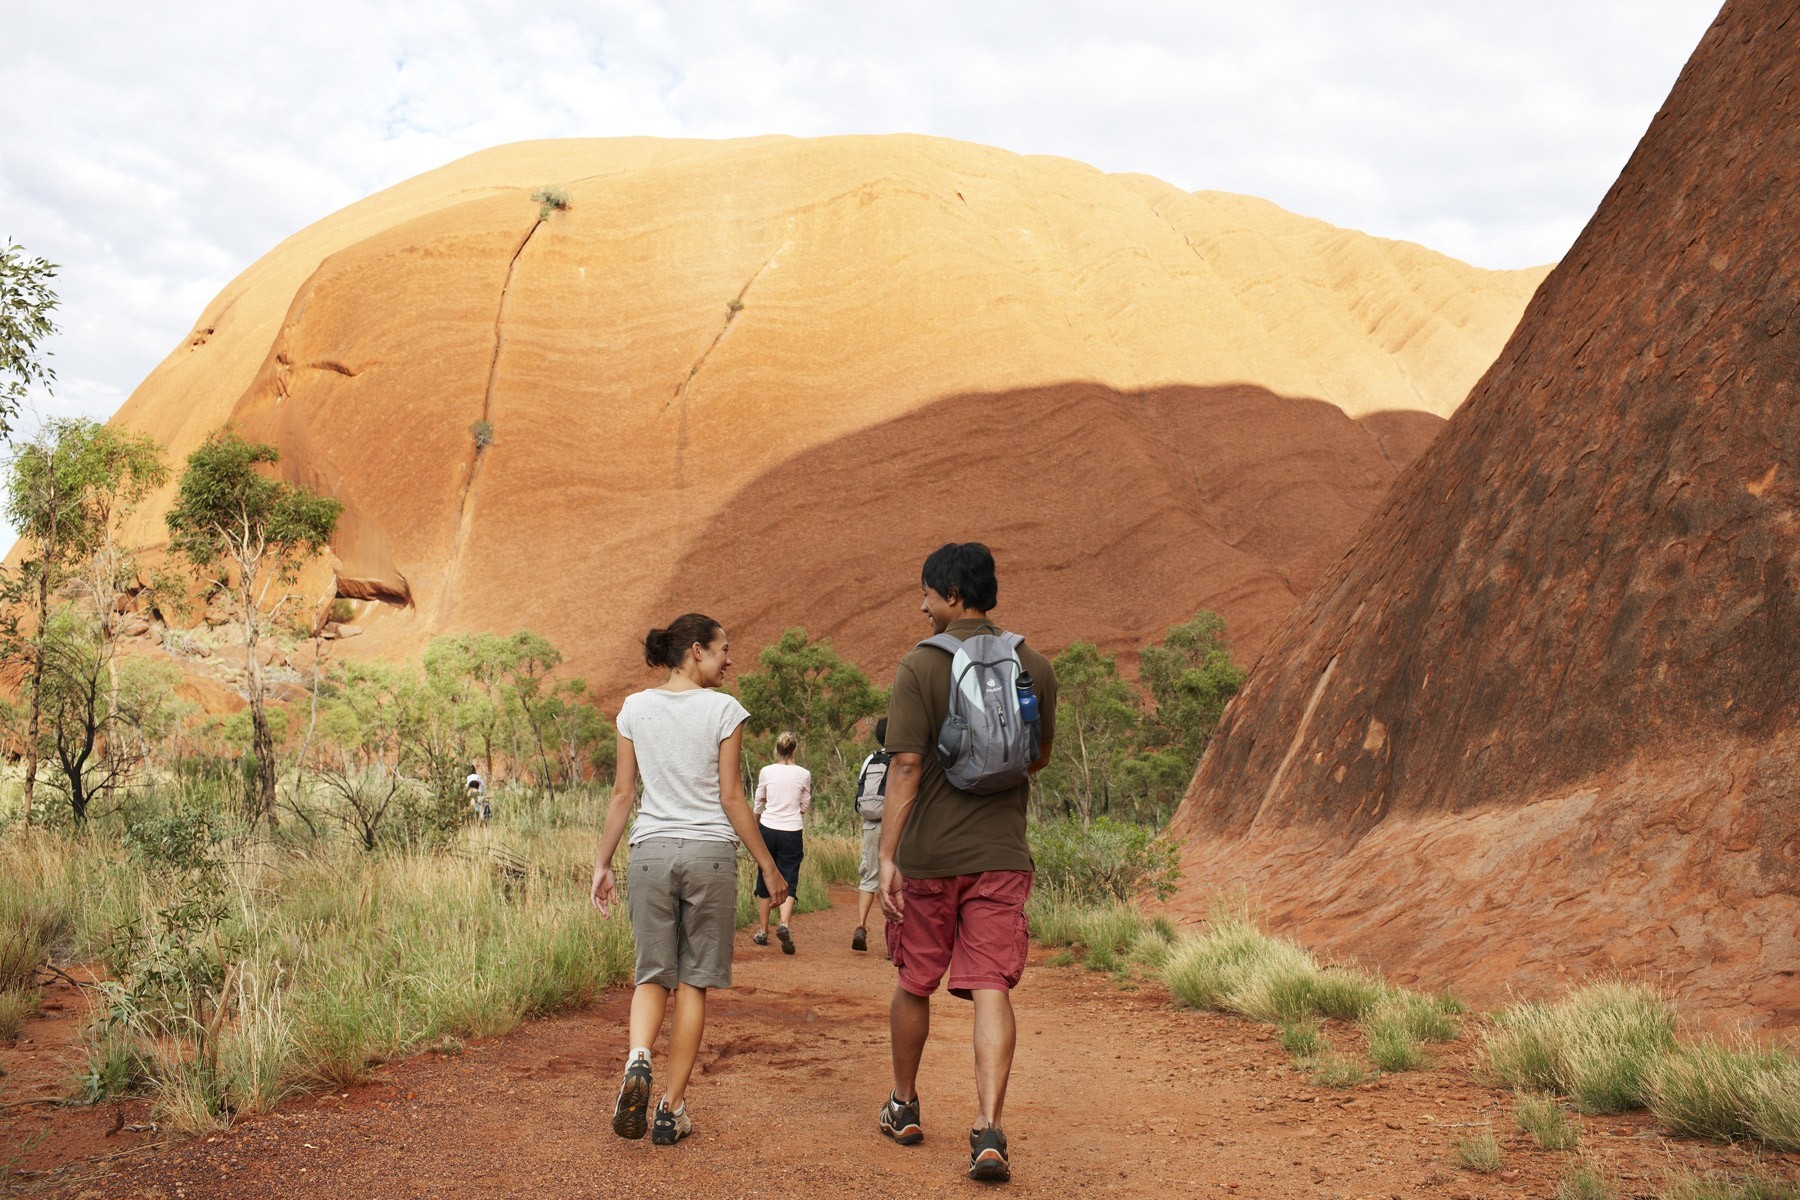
<point>68,490</point>
<point>254,533</point>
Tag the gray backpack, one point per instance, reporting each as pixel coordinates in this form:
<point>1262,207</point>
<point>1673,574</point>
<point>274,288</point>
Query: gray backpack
<point>871,788</point>
<point>985,745</point>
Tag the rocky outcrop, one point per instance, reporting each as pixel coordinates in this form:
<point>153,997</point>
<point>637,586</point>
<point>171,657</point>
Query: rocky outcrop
<point>1542,718</point>
<point>693,386</point>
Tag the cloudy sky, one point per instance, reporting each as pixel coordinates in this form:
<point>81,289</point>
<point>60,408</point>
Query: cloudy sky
<point>155,150</point>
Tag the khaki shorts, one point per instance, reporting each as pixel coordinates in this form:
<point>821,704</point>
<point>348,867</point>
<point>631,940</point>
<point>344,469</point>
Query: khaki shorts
<point>682,897</point>
<point>871,859</point>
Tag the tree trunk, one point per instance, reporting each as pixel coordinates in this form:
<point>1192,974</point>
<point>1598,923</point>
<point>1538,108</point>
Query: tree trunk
<point>43,634</point>
<point>261,744</point>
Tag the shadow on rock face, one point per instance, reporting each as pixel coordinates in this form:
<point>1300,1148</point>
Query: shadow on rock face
<point>1112,516</point>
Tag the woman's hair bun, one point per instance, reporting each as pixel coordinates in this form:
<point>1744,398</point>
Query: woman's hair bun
<point>656,647</point>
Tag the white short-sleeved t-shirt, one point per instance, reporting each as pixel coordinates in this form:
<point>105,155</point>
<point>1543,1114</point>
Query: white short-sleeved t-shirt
<point>676,736</point>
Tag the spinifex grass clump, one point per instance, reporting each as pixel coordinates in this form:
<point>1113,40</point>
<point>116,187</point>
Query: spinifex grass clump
<point>1479,1153</point>
<point>1686,1185</point>
<point>1585,1182</point>
<point>1707,1089</point>
<point>1236,967</point>
<point>1544,1119</point>
<point>1597,1047</point>
<point>1108,935</point>
<point>1401,1024</point>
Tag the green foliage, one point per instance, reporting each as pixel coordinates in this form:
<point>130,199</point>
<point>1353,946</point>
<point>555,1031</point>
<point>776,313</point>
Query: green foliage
<point>341,611</point>
<point>1333,1070</point>
<point>1399,1025</point>
<point>26,302</point>
<point>550,199</point>
<point>804,687</point>
<point>1303,1039</point>
<point>17,1007</point>
<point>1115,754</point>
<point>1597,1046</point>
<point>1096,727</point>
<point>227,509</point>
<point>483,433</point>
<point>1480,1153</point>
<point>1106,858</point>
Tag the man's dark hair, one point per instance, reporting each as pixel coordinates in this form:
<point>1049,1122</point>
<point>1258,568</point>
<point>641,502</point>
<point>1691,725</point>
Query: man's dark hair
<point>962,571</point>
<point>881,731</point>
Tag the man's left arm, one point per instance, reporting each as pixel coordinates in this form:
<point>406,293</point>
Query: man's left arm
<point>1046,694</point>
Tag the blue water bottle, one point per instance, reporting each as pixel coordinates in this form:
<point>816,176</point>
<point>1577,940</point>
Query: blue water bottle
<point>1028,701</point>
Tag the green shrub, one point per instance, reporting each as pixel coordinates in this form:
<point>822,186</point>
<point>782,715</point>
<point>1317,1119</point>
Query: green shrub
<point>1479,1153</point>
<point>1544,1119</point>
<point>1397,1026</point>
<point>1105,859</point>
<point>550,199</point>
<point>1597,1046</point>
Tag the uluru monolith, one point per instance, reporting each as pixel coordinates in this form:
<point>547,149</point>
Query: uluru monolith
<point>580,386</point>
<point>1543,719</point>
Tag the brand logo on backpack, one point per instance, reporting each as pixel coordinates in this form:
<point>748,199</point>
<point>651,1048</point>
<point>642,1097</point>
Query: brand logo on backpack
<point>987,744</point>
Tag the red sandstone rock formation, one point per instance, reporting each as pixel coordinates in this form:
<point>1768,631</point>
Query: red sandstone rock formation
<point>758,377</point>
<point>1543,719</point>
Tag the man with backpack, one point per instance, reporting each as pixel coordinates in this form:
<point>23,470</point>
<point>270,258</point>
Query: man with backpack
<point>970,720</point>
<point>871,799</point>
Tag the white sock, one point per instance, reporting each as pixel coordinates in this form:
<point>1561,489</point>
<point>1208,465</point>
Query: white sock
<point>638,1052</point>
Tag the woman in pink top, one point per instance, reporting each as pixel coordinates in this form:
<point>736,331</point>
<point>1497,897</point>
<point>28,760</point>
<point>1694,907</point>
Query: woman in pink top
<point>783,794</point>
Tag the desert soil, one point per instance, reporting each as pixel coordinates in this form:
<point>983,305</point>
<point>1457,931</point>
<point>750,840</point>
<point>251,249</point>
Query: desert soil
<point>1114,1092</point>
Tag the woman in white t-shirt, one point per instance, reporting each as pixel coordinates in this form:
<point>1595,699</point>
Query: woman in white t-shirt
<point>685,741</point>
<point>783,796</point>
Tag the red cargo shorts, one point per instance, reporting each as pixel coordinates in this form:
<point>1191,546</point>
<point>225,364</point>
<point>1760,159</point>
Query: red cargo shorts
<point>971,925</point>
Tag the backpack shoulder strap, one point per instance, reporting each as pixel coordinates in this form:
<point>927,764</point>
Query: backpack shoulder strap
<point>944,641</point>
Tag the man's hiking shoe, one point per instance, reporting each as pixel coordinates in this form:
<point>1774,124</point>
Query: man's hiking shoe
<point>630,1114</point>
<point>860,939</point>
<point>670,1127</point>
<point>787,939</point>
<point>987,1156</point>
<point>901,1121</point>
<point>760,937</point>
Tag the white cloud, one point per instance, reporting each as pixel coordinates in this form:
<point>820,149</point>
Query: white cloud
<point>156,150</point>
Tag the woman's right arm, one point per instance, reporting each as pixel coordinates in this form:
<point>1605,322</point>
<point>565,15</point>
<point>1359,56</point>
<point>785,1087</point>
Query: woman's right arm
<point>605,888</point>
<point>737,811</point>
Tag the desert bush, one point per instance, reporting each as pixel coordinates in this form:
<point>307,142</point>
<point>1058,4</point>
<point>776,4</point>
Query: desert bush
<point>550,199</point>
<point>1597,1046</point>
<point>1399,1024</point>
<point>1302,1039</point>
<point>1708,1089</point>
<point>1480,1153</point>
<point>1104,858</point>
<point>1544,1119</point>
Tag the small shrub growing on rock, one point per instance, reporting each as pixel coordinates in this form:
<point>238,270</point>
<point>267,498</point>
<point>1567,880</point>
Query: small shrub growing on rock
<point>483,433</point>
<point>550,199</point>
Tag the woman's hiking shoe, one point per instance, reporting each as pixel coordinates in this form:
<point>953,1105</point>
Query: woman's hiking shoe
<point>901,1121</point>
<point>670,1127</point>
<point>987,1156</point>
<point>860,939</point>
<point>787,939</point>
<point>631,1112</point>
<point>760,937</point>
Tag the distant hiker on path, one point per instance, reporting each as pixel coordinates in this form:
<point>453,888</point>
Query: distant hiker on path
<point>871,799</point>
<point>686,741</point>
<point>478,797</point>
<point>970,720</point>
<point>783,796</point>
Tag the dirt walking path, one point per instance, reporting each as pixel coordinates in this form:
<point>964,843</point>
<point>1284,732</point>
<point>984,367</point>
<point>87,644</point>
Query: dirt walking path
<point>1114,1093</point>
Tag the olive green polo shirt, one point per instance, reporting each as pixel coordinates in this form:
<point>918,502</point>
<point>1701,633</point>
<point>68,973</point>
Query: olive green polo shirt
<point>950,831</point>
